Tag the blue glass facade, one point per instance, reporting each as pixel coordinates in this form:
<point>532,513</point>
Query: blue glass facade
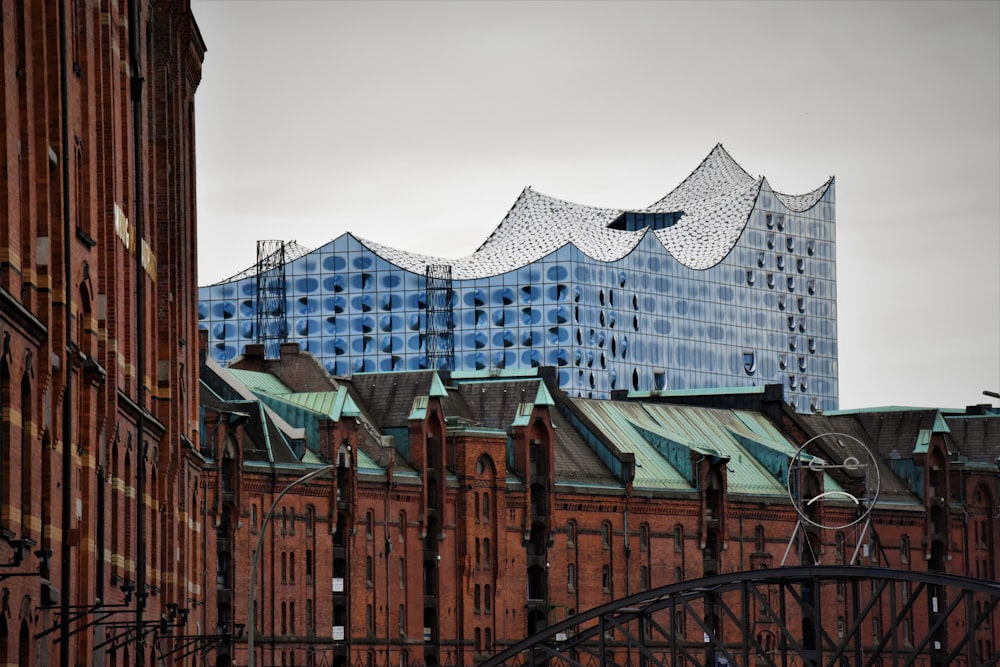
<point>765,313</point>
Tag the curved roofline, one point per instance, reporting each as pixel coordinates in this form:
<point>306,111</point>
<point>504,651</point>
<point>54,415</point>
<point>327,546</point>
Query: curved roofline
<point>294,248</point>
<point>716,199</point>
<point>641,235</point>
<point>808,199</point>
<point>717,150</point>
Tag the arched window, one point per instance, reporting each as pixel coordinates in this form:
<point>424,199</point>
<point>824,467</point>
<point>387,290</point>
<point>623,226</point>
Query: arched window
<point>758,534</point>
<point>840,548</point>
<point>644,537</point>
<point>129,480</point>
<point>4,450</point>
<point>605,535</point>
<point>3,636</point>
<point>571,577</point>
<point>678,538</point>
<point>27,459</point>
<point>228,473</point>
<point>476,595</point>
<point>222,570</point>
<point>115,503</point>
<point>488,599</point>
<point>24,646</point>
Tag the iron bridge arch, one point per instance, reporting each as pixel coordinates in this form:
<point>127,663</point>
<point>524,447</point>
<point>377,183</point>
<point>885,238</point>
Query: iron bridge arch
<point>830,616</point>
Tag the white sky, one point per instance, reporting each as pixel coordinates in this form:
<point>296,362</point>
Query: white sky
<point>417,124</point>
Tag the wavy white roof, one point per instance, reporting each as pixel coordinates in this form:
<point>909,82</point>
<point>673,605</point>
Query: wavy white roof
<point>716,198</point>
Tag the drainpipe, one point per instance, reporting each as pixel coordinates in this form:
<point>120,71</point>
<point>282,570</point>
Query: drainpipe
<point>628,549</point>
<point>388,569</point>
<point>743,565</point>
<point>66,557</point>
<point>140,332</point>
<point>204,552</point>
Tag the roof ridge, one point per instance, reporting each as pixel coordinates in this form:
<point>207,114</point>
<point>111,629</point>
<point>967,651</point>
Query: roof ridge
<point>717,156</point>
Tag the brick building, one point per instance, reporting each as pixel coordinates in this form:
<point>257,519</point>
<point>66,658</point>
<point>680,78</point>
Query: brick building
<point>98,334</point>
<point>462,512</point>
<point>468,511</point>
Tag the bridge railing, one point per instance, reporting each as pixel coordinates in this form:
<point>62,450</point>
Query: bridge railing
<point>835,616</point>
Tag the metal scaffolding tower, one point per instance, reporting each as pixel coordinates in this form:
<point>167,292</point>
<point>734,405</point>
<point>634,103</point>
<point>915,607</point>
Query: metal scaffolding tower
<point>272,320</point>
<point>439,325</point>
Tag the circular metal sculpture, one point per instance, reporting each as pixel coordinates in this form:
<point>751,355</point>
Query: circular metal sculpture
<point>855,464</point>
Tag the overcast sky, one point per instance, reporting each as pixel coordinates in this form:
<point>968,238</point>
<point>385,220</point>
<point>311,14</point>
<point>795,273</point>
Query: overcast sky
<point>417,124</point>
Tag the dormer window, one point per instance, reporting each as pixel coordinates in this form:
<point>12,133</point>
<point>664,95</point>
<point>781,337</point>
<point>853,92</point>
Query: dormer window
<point>634,221</point>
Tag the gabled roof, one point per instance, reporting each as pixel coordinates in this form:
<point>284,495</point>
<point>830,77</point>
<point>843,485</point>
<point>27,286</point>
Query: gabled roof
<point>494,403</point>
<point>892,488</point>
<point>267,436</point>
<point>898,433</point>
<point>502,403</point>
<point>387,398</point>
<point>976,437</point>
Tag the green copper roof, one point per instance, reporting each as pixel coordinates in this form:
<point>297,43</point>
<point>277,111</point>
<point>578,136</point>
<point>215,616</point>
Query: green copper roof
<point>940,423</point>
<point>923,441</point>
<point>652,470</point>
<point>257,381</point>
<point>522,416</point>
<point>331,404</point>
<point>543,397</point>
<point>667,439</point>
<point>367,463</point>
<point>437,387</point>
<point>419,408</point>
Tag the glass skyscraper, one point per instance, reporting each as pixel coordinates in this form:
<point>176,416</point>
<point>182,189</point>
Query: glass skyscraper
<point>723,282</point>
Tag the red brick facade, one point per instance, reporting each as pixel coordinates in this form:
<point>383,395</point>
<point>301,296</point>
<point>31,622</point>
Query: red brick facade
<point>98,325</point>
<point>452,569</point>
<point>132,497</point>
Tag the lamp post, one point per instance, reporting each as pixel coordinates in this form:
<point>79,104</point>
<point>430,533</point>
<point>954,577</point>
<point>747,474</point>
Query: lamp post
<point>251,612</point>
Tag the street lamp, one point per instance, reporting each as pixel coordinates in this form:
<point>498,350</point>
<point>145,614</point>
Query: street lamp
<point>251,612</point>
